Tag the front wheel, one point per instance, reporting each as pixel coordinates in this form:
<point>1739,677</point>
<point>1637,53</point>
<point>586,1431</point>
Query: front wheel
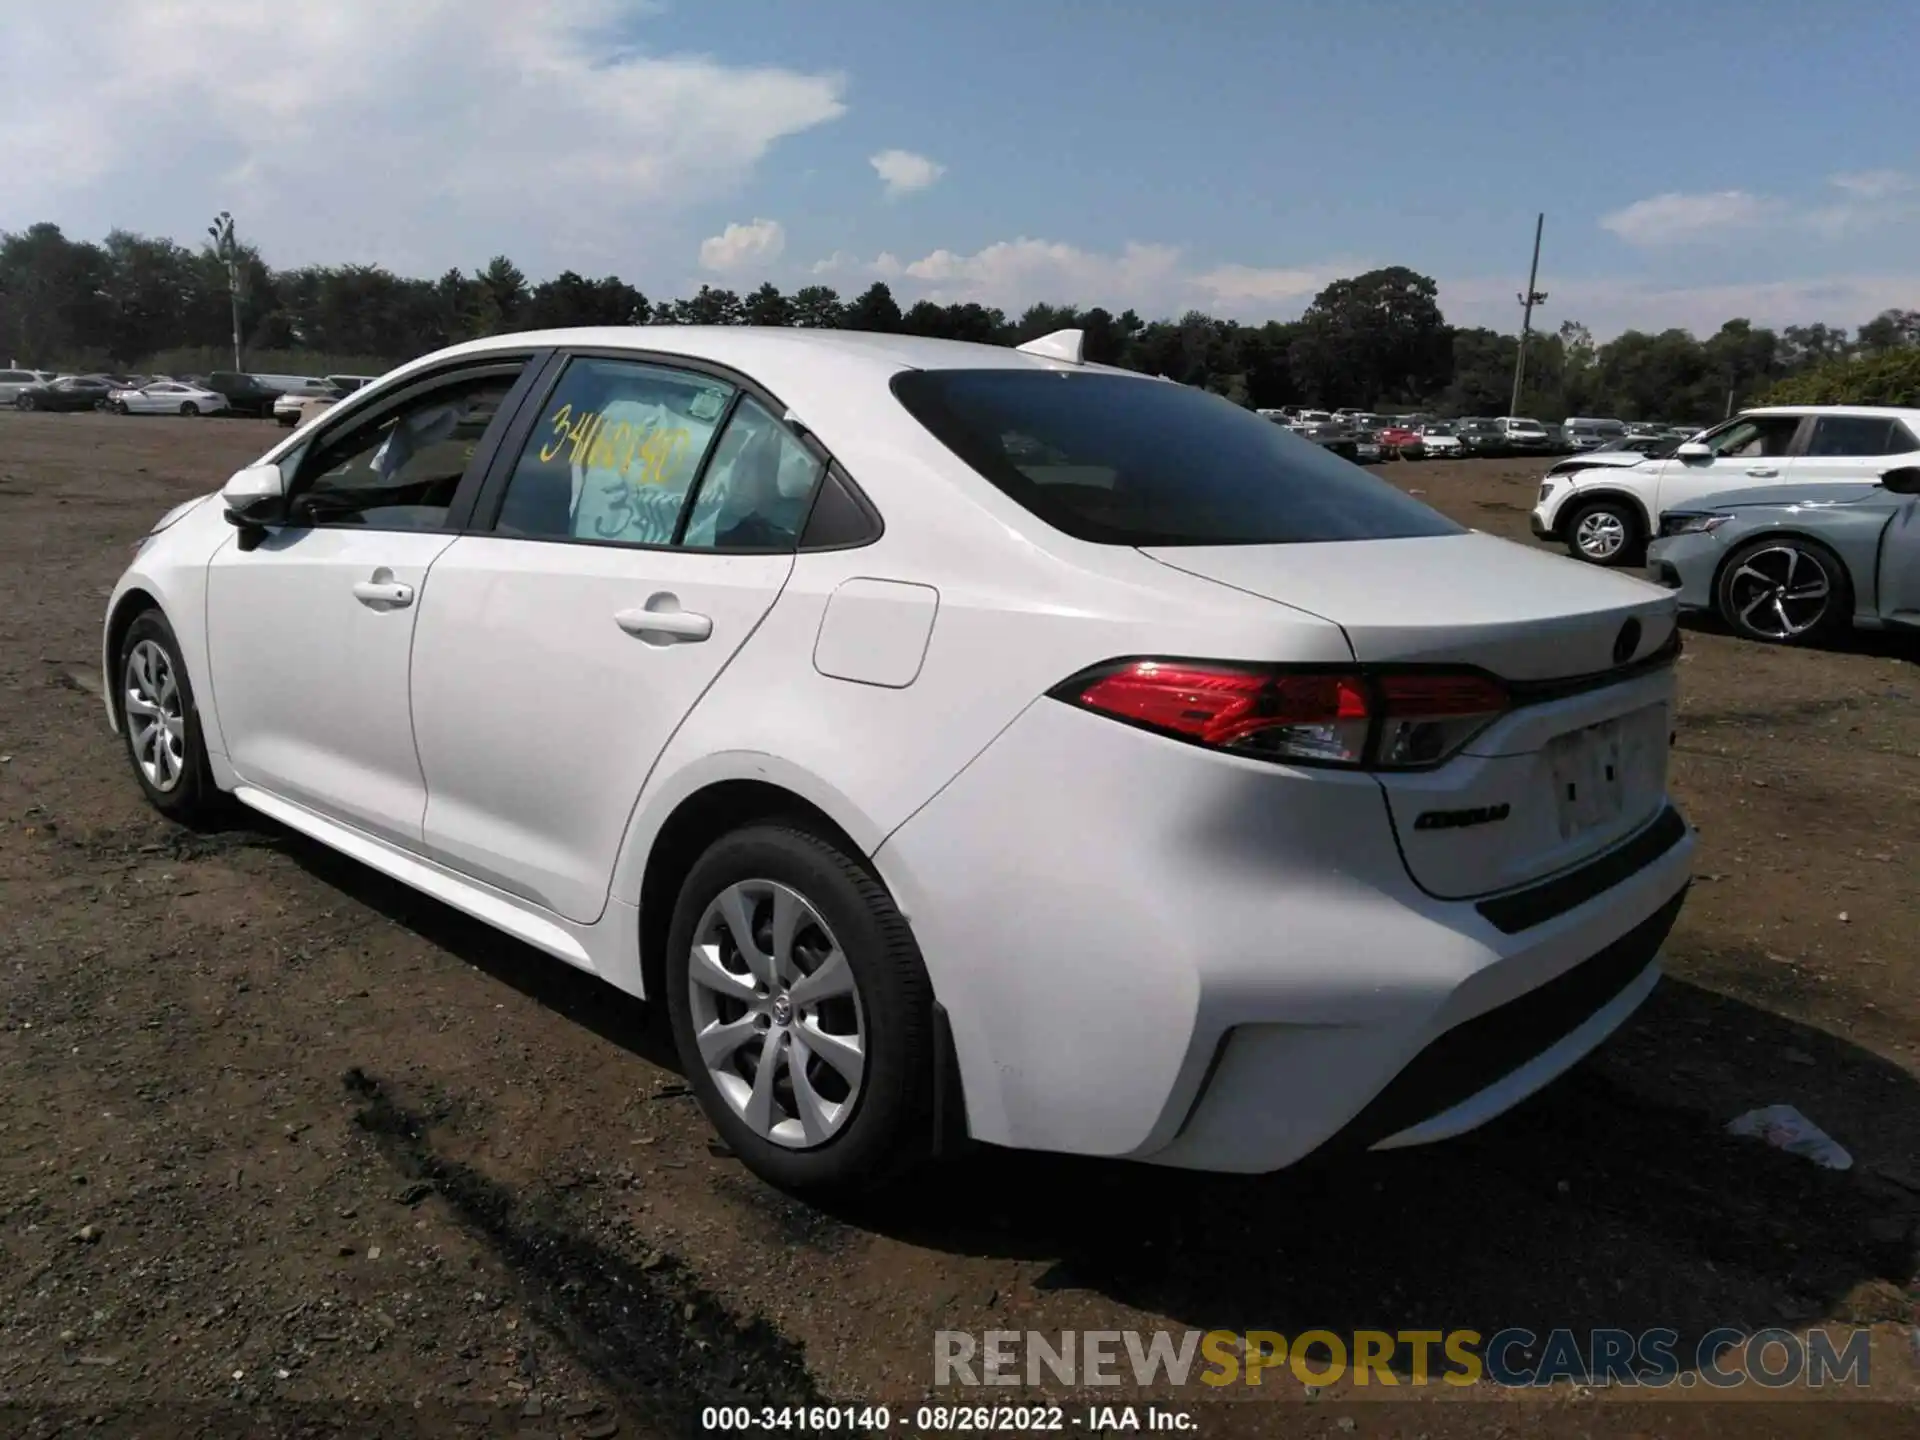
<point>25,402</point>
<point>802,1012</point>
<point>160,723</point>
<point>1604,532</point>
<point>120,407</point>
<point>1789,591</point>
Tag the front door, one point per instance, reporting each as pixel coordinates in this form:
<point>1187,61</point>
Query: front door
<point>1749,451</point>
<point>1900,566</point>
<point>310,632</point>
<point>644,531</point>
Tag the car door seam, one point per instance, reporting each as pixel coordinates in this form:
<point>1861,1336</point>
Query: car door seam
<point>673,734</point>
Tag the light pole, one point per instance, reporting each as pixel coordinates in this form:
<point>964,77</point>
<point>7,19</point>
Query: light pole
<point>228,249</point>
<point>1532,298</point>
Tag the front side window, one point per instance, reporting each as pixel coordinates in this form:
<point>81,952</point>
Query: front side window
<point>1837,436</point>
<point>757,489</point>
<point>1121,460</point>
<point>614,453</point>
<point>399,470</point>
<point>1753,436</point>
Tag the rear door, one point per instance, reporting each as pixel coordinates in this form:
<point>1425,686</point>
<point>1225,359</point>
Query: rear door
<point>641,523</point>
<point>1748,450</point>
<point>1854,449</point>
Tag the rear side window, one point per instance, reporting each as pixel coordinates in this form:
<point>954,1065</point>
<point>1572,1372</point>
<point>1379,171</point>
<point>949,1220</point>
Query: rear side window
<point>1858,435</point>
<point>1120,460</point>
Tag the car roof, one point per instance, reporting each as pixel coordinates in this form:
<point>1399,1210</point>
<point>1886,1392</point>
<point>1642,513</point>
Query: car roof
<point>1865,412</point>
<point>780,357</point>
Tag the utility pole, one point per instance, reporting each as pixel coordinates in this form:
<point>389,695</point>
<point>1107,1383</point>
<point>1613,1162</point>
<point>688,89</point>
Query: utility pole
<point>1532,298</point>
<point>228,249</point>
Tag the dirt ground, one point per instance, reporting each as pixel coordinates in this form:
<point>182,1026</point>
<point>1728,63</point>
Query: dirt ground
<point>282,1138</point>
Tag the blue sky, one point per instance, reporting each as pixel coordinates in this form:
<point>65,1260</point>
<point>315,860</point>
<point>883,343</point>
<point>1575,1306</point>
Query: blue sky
<point>1695,159</point>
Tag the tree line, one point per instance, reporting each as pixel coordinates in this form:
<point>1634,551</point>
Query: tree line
<point>1378,340</point>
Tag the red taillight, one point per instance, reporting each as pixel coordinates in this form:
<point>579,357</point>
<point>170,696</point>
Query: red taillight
<point>1316,716</point>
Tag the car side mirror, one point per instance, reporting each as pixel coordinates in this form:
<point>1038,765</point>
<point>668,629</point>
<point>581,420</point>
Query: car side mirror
<point>1694,450</point>
<point>1904,481</point>
<point>255,498</point>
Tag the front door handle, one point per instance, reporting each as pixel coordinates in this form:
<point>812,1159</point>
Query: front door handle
<point>1763,472</point>
<point>664,626</point>
<point>383,592</point>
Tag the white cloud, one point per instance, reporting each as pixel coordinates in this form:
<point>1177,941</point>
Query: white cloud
<point>1154,279</point>
<point>758,242</point>
<point>1607,305</point>
<point>1875,184</point>
<point>904,172</point>
<point>1868,199</point>
<point>1239,285</point>
<point>418,136</point>
<point>1676,219</point>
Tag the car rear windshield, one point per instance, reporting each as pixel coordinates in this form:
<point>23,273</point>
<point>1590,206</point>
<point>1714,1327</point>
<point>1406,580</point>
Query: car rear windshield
<point>1120,460</point>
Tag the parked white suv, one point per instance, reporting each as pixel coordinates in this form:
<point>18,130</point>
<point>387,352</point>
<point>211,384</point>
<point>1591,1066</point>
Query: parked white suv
<point>12,382</point>
<point>1604,507</point>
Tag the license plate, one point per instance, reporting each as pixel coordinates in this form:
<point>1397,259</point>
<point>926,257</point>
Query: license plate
<point>1590,774</point>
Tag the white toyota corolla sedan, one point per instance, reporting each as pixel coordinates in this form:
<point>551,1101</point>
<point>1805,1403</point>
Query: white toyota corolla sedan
<point>962,741</point>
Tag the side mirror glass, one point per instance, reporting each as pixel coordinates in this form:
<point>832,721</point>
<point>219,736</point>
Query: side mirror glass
<point>255,496</point>
<point>1904,481</point>
<point>1694,450</point>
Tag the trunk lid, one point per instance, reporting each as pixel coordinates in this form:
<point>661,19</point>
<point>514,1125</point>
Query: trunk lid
<point>1573,770</point>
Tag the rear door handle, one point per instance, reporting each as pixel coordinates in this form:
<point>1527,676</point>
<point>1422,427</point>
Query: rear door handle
<point>1764,472</point>
<point>382,592</point>
<point>664,625</point>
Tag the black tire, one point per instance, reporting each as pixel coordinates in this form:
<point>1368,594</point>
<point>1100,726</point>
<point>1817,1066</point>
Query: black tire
<point>120,407</point>
<point>1749,572</point>
<point>890,1127</point>
<point>1596,520</point>
<point>189,408</point>
<point>25,402</point>
<point>192,797</point>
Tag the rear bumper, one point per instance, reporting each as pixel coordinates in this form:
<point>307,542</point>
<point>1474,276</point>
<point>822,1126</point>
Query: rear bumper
<point>1206,962</point>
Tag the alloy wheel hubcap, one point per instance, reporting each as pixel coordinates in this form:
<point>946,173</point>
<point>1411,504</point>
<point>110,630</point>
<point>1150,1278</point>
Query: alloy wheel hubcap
<point>1601,534</point>
<point>156,717</point>
<point>777,1014</point>
<point>1781,592</point>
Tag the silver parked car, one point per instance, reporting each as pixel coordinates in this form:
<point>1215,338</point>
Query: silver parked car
<point>1791,564</point>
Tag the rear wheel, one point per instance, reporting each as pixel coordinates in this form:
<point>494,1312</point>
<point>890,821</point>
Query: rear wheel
<point>25,402</point>
<point>1789,591</point>
<point>1604,532</point>
<point>802,1012</point>
<point>160,723</point>
<point>189,408</point>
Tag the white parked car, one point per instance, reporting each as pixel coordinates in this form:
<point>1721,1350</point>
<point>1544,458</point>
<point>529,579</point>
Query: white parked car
<point>958,740</point>
<point>1605,505</point>
<point>12,382</point>
<point>1441,442</point>
<point>166,397</point>
<point>1520,433</point>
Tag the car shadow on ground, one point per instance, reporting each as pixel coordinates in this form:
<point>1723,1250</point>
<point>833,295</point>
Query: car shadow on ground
<point>1613,1199</point>
<point>1876,644</point>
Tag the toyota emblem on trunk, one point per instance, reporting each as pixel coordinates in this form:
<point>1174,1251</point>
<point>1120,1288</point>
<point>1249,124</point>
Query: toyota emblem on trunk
<point>1626,642</point>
